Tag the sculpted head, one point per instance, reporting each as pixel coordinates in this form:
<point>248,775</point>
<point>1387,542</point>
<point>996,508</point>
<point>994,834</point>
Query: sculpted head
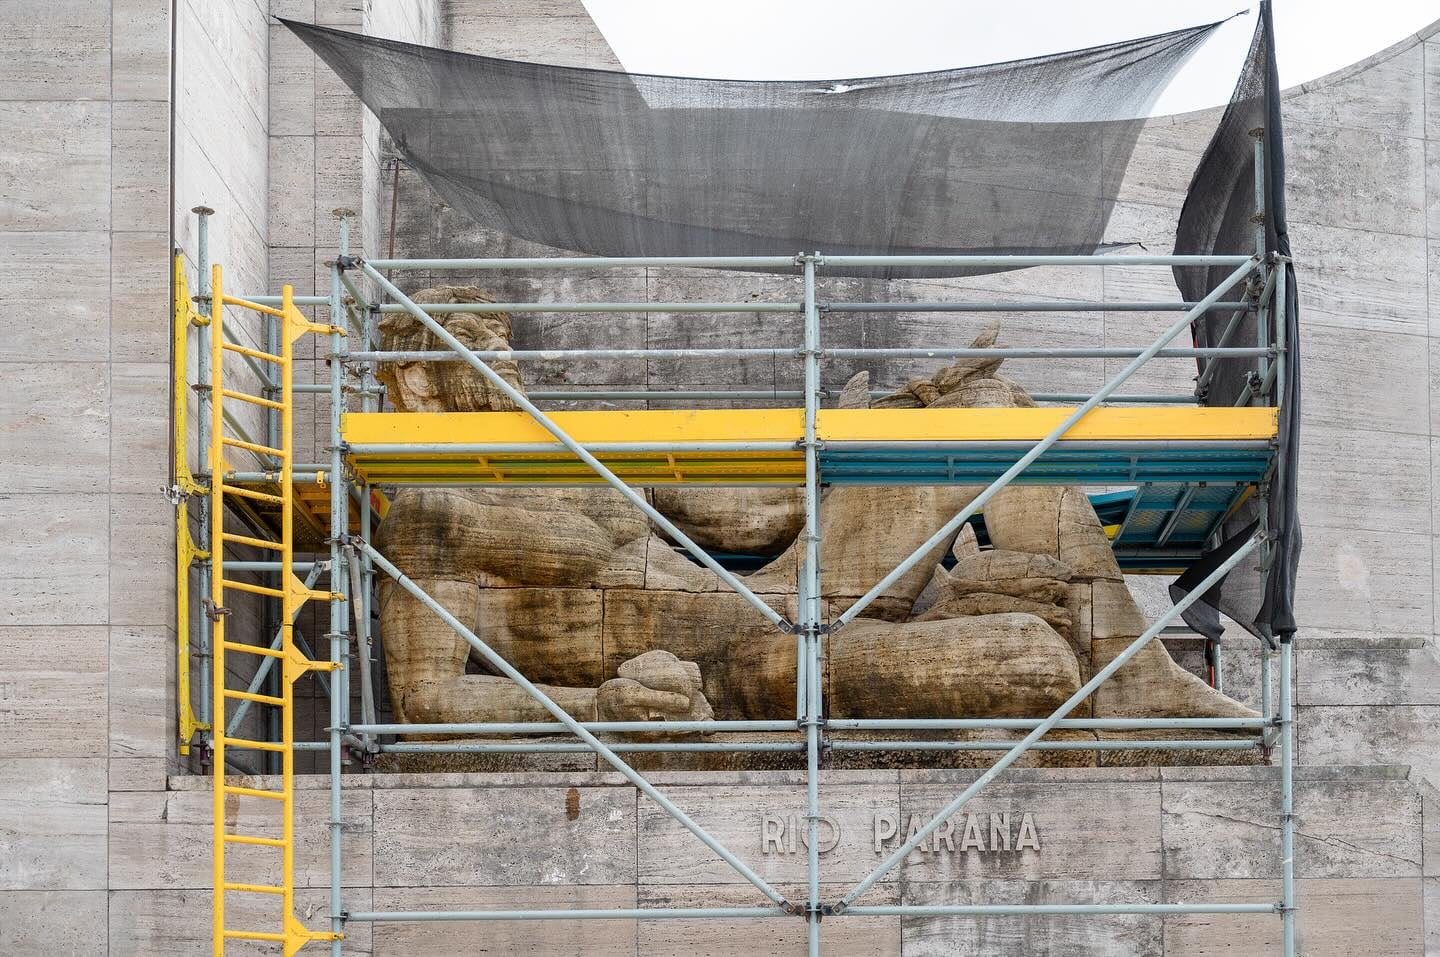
<point>446,386</point>
<point>966,383</point>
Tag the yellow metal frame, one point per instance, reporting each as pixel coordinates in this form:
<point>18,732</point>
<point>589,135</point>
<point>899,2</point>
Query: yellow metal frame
<point>187,552</point>
<point>435,430</point>
<point>292,935</point>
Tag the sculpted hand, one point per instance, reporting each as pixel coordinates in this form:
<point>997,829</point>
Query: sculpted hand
<point>655,686</point>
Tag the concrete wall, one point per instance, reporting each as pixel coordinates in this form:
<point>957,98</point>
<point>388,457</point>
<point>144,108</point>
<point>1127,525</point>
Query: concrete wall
<point>85,535</point>
<point>491,841</point>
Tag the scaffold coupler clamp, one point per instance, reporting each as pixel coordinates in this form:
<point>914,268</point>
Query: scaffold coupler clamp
<point>348,262</point>
<point>213,611</point>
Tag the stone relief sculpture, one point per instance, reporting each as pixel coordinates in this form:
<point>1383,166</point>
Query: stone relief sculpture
<point>575,588</point>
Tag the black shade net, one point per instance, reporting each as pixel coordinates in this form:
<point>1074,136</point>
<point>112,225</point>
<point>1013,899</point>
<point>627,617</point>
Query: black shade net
<point>1025,157</point>
<point>1020,157</point>
<point>1220,216</point>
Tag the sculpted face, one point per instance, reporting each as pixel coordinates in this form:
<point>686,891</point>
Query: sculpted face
<point>446,386</point>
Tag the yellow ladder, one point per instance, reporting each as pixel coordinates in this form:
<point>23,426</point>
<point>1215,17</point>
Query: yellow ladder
<point>291,934</point>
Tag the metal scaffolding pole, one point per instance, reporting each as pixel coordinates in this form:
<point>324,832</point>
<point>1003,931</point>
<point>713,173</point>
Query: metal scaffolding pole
<point>809,592</point>
<point>206,565</point>
<point>339,644</point>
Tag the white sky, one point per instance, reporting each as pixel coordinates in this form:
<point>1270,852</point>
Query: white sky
<point>830,39</point>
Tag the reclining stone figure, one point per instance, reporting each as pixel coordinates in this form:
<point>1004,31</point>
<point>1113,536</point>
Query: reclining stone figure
<point>578,591</point>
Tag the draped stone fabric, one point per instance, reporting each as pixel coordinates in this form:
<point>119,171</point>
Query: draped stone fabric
<point>1018,157</point>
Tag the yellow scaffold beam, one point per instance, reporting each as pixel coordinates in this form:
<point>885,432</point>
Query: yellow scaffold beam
<point>832,425</point>
<point>458,448</point>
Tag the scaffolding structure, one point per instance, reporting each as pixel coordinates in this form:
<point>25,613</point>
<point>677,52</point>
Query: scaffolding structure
<point>1193,466</point>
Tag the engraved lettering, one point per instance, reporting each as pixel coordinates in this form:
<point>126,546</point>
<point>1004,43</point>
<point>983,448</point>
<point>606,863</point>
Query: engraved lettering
<point>1000,831</point>
<point>1028,836</point>
<point>886,826</point>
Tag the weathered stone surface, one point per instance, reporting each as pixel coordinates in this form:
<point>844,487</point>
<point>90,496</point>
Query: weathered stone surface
<point>1369,676</point>
<point>1361,828</point>
<point>53,557</point>
<point>147,923</point>
<point>737,816</point>
<point>57,154</point>
<point>847,937</point>
<point>757,520</point>
<point>142,698</point>
<point>53,922</point>
<point>1074,825</point>
<point>52,824</point>
<point>1341,918</point>
<point>1034,936</point>
<point>1005,665</point>
<point>588,938</point>
<point>1010,518</point>
<point>162,840</point>
<point>1393,734</point>
<point>504,836</point>
<point>53,692</point>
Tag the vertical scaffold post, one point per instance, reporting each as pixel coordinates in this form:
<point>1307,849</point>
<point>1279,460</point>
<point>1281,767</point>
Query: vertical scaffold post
<point>203,637</point>
<point>216,598</point>
<point>1262,312</point>
<point>809,612</point>
<point>1287,795</point>
<point>339,525</point>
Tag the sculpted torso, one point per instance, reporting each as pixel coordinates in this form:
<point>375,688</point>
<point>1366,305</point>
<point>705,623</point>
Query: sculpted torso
<point>576,590</point>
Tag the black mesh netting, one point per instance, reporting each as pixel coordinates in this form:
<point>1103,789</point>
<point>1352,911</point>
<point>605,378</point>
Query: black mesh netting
<point>1022,157</point>
<point>1219,216</point>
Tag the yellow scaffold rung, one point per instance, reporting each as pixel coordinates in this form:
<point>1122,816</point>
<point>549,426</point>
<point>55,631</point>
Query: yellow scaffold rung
<point>253,542</point>
<point>252,650</point>
<point>251,493</point>
<point>252,696</point>
<point>252,935</point>
<point>255,888</point>
<point>251,446</point>
<point>253,399</point>
<point>253,745</point>
<point>251,839</point>
<point>253,589</point>
<point>253,353</point>
<point>254,306</point>
<point>255,792</point>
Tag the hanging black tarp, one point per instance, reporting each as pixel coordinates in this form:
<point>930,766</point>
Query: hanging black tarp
<point>1220,216</point>
<point>1020,157</point>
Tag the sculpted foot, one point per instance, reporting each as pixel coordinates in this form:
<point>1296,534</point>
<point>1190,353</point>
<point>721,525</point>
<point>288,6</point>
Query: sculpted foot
<point>1152,685</point>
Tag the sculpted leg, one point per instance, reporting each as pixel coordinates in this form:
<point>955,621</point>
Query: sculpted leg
<point>1059,522</point>
<point>994,666</point>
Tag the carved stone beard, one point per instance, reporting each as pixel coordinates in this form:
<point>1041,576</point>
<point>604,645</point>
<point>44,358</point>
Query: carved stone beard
<point>452,386</point>
<point>461,388</point>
